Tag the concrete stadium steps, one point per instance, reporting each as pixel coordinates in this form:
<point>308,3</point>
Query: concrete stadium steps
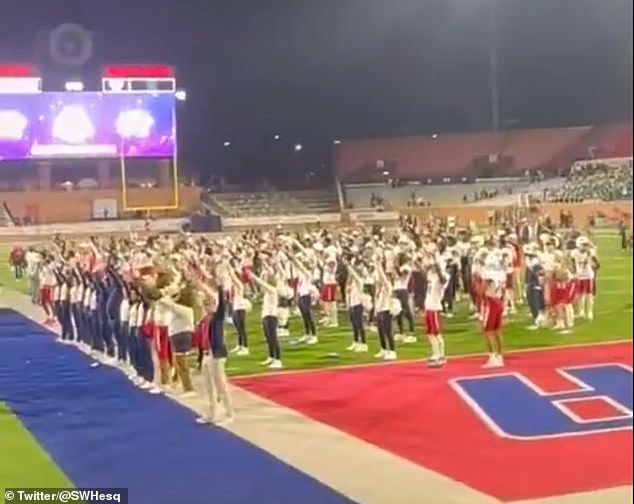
<point>276,203</point>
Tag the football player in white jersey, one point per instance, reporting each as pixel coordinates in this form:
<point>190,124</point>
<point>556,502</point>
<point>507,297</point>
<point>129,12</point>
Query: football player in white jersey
<point>585,264</point>
<point>436,285</point>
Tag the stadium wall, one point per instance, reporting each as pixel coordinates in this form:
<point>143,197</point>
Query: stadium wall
<point>76,206</point>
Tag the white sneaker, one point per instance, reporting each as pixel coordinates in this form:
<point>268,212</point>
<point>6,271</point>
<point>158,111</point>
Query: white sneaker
<point>533,327</point>
<point>224,422</point>
<point>283,332</point>
<point>267,361</point>
<point>154,390</point>
<point>235,349</point>
<point>276,364</point>
<point>380,354</point>
<point>110,361</point>
<point>204,420</point>
<point>361,348</point>
<point>435,362</point>
<point>409,339</point>
<point>390,355</point>
<point>303,339</point>
<point>242,352</point>
<point>313,340</point>
<point>590,316</point>
<point>352,347</point>
<point>145,385</point>
<point>491,363</point>
<point>499,361</point>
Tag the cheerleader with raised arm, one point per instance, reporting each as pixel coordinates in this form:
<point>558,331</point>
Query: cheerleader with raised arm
<point>241,306</point>
<point>306,292</point>
<point>270,302</point>
<point>384,312</point>
<point>354,300</point>
<point>403,272</point>
<point>214,350</point>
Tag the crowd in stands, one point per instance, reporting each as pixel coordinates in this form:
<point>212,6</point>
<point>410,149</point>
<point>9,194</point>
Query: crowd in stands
<point>594,182</point>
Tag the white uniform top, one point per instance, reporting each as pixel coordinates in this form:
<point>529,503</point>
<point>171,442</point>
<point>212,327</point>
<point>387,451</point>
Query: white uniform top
<point>304,284</point>
<point>133,314</point>
<point>270,300</point>
<point>383,301</point>
<point>330,273</point>
<point>124,310</point>
<point>354,292</point>
<point>239,302</point>
<point>33,261</point>
<point>435,292</point>
<point>47,278</point>
<point>402,282</point>
<point>583,264</point>
<point>178,318</point>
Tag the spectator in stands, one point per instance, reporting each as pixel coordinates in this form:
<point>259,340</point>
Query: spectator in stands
<point>595,182</point>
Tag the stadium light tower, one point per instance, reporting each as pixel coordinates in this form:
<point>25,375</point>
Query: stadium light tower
<point>493,65</point>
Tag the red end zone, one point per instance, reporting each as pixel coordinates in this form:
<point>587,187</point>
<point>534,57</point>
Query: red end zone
<point>415,413</point>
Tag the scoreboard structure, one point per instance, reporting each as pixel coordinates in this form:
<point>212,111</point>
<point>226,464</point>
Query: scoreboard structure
<point>131,117</point>
<point>138,78</point>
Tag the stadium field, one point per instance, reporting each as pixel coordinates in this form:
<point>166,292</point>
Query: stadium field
<point>613,321</point>
<point>31,464</point>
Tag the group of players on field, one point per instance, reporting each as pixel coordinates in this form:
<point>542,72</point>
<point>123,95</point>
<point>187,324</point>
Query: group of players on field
<point>145,304</point>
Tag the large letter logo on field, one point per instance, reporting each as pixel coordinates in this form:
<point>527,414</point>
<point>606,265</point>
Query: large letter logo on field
<point>599,400</point>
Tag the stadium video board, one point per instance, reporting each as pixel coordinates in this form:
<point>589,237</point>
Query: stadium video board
<point>86,125</point>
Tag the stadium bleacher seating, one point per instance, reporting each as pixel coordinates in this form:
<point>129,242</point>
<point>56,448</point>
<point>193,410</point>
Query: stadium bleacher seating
<point>271,203</point>
<point>417,158</point>
<point>606,181</point>
<point>535,149</point>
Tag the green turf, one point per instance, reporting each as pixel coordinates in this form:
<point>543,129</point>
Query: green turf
<point>613,321</point>
<point>23,463</point>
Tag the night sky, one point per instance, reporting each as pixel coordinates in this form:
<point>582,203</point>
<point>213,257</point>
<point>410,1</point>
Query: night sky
<point>318,70</point>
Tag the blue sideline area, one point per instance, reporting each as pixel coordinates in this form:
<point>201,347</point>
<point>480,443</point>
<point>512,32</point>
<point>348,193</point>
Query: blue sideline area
<point>103,432</point>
